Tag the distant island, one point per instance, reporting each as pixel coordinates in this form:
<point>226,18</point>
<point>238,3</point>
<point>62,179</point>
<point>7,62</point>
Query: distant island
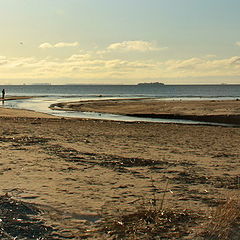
<point>151,84</point>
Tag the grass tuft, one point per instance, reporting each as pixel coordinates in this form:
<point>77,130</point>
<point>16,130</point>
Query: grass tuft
<point>149,224</point>
<point>224,223</point>
<point>148,220</point>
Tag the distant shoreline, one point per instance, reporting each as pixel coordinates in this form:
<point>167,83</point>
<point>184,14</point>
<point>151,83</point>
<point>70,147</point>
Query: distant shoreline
<point>15,98</point>
<point>135,84</point>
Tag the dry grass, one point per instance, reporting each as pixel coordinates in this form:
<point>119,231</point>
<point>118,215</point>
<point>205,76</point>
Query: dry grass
<point>148,221</point>
<point>224,223</point>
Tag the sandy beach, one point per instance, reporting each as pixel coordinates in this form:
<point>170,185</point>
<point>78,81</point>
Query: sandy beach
<point>218,111</point>
<point>80,171</point>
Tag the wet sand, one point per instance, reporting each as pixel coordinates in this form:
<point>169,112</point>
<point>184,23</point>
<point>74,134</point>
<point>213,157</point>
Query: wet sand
<point>205,110</point>
<point>79,170</point>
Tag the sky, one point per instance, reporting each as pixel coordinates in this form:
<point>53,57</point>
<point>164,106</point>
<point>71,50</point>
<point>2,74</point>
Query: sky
<point>119,42</point>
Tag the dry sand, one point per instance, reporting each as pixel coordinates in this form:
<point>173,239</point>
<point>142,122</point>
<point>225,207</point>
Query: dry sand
<point>78,169</point>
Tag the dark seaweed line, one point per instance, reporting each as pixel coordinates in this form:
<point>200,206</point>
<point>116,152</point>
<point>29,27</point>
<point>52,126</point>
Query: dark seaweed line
<point>114,162</point>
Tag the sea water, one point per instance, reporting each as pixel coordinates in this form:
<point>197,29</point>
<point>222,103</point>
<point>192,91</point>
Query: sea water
<point>45,95</point>
<point>169,91</point>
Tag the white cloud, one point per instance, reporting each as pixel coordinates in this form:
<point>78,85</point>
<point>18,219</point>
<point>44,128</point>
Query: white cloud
<point>79,57</point>
<point>183,64</point>
<point>142,46</point>
<point>238,44</point>
<point>90,66</point>
<point>46,45</point>
<point>235,60</point>
<point>66,44</point>
<point>3,60</point>
<point>58,45</point>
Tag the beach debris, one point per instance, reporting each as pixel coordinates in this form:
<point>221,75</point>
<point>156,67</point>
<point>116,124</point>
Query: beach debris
<point>191,176</point>
<point>148,223</point>
<point>229,182</point>
<point>114,162</point>
<point>26,141</point>
<point>106,160</point>
<point>20,220</point>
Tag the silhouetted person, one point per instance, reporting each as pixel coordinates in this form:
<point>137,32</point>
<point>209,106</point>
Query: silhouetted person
<point>3,93</point>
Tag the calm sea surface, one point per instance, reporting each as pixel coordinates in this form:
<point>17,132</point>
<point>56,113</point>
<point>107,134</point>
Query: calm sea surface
<point>48,94</point>
<point>169,91</point>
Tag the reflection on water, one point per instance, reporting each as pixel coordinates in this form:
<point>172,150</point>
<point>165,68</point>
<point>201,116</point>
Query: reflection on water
<point>42,104</point>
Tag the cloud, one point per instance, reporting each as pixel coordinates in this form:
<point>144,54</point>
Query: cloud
<point>58,45</point>
<point>235,60</point>
<point>66,44</point>
<point>200,67</point>
<point>142,46</point>
<point>77,57</point>
<point>238,44</point>
<point>3,60</point>
<point>46,45</point>
<point>91,66</point>
<point>184,64</point>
